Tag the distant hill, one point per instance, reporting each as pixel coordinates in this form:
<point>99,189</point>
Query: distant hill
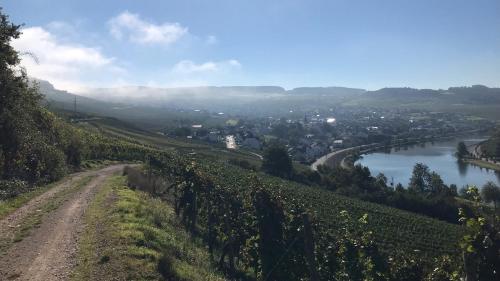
<point>476,100</point>
<point>477,94</point>
<point>327,91</point>
<point>64,100</point>
<point>140,103</point>
<point>148,117</point>
<point>236,100</point>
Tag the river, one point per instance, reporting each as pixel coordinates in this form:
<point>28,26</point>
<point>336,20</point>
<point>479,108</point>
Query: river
<point>397,164</point>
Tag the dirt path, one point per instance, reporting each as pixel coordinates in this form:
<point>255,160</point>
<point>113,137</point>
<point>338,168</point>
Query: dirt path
<point>49,252</point>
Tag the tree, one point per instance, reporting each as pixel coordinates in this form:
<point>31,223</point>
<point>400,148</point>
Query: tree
<point>436,184</point>
<point>481,243</point>
<point>277,162</point>
<point>419,181</point>
<point>462,150</point>
<point>491,194</point>
<point>32,139</point>
<point>182,131</point>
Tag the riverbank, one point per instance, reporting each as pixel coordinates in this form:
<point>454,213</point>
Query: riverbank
<point>483,164</point>
<point>338,157</point>
<point>477,160</point>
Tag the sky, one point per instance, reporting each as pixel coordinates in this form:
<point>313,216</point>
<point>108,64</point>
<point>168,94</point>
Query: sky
<point>290,43</point>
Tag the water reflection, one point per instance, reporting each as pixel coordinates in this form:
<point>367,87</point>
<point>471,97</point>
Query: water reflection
<point>397,163</point>
<point>462,168</point>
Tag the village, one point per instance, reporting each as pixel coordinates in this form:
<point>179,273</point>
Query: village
<point>309,135</point>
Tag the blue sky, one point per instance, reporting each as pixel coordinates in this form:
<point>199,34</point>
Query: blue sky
<point>366,44</point>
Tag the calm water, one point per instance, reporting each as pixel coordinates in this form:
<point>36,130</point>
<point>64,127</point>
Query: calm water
<point>398,163</point>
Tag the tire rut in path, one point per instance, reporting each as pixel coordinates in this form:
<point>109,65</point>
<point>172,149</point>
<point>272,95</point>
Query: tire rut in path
<point>49,253</point>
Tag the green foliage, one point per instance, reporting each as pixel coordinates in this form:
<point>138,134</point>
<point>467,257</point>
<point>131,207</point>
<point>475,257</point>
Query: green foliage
<point>491,194</point>
<point>429,195</point>
<point>358,255</point>
<point>277,162</point>
<point>10,189</point>
<point>36,146</point>
<point>481,243</point>
<point>233,210</point>
<point>462,150</point>
<point>446,269</point>
<point>22,140</point>
<point>131,236</point>
<point>420,179</point>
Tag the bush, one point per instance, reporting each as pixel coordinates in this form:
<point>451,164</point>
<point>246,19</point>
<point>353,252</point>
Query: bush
<point>12,188</point>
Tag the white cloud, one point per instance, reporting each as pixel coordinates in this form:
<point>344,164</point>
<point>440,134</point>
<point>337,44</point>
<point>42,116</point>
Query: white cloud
<point>132,27</point>
<point>189,67</point>
<point>68,66</point>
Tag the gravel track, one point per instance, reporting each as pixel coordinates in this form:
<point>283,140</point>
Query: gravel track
<point>49,253</point>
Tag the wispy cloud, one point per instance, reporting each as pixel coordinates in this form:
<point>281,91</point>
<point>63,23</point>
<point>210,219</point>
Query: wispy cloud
<point>188,66</point>
<point>68,66</point>
<point>131,27</point>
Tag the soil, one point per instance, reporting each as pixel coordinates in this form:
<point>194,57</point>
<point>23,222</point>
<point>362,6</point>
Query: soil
<point>49,253</point>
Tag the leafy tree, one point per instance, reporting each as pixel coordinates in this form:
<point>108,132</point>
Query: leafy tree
<point>462,150</point>
<point>491,194</point>
<point>277,162</point>
<point>21,138</point>
<point>436,184</point>
<point>182,131</point>
<point>419,181</point>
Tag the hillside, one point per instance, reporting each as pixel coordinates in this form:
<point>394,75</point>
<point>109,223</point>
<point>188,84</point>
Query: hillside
<point>476,100</point>
<point>491,147</point>
<point>241,100</point>
<point>391,226</point>
<point>148,117</point>
<point>147,106</point>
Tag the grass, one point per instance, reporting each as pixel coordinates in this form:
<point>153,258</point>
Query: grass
<point>34,219</point>
<point>10,205</point>
<point>96,164</point>
<point>131,236</point>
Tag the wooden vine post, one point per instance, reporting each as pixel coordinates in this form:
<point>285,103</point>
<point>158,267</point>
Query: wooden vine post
<point>309,248</point>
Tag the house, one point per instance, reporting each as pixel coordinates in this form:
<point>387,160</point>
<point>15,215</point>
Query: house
<point>338,143</point>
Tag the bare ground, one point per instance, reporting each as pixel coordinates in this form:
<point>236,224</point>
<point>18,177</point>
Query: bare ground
<point>49,252</point>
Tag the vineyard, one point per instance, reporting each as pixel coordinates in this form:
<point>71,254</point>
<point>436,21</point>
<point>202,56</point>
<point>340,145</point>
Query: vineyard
<point>394,229</point>
<point>253,220</point>
<point>119,130</point>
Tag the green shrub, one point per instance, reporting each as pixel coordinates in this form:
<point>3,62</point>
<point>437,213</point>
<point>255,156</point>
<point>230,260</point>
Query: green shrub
<point>12,188</point>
